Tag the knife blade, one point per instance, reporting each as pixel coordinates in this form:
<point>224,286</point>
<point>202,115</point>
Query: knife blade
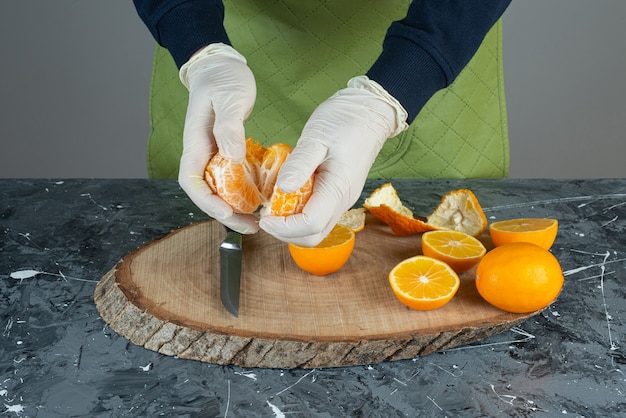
<point>230,270</point>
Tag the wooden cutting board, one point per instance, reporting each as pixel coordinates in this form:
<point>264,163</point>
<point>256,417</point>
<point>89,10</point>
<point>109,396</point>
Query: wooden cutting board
<point>165,296</point>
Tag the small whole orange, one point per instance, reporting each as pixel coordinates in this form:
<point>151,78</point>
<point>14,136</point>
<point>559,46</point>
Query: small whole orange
<point>519,277</point>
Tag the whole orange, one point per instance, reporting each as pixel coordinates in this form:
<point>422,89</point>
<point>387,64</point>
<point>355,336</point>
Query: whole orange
<point>519,277</point>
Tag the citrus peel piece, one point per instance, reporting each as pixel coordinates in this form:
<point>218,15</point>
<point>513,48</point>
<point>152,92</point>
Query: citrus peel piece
<point>458,210</point>
<point>385,204</point>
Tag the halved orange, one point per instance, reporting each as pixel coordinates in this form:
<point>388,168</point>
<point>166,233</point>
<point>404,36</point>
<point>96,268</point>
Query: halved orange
<point>255,152</point>
<point>459,250</point>
<point>329,255</point>
<point>353,219</point>
<point>385,205</point>
<point>423,283</point>
<point>247,185</point>
<point>539,231</point>
<point>459,210</point>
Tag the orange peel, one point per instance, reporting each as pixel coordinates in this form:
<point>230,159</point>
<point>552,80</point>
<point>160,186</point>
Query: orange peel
<point>458,210</point>
<point>385,204</point>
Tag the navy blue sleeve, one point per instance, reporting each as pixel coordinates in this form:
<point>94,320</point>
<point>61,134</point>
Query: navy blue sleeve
<point>425,51</point>
<point>422,53</point>
<point>183,26</point>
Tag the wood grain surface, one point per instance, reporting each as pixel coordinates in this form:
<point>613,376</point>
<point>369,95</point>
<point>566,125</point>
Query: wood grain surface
<point>165,297</point>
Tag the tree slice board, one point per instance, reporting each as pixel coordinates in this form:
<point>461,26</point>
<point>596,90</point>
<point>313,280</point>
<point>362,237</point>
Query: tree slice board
<point>165,297</point>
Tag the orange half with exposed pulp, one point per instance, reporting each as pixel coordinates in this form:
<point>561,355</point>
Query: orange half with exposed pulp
<point>540,231</point>
<point>423,283</point>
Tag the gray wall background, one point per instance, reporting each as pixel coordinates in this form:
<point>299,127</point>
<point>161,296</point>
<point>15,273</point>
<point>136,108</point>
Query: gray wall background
<point>75,75</point>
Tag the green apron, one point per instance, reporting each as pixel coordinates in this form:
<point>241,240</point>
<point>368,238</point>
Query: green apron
<point>301,52</point>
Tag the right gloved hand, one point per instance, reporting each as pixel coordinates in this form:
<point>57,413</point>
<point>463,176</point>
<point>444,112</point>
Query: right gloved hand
<point>222,92</point>
<point>338,146</point>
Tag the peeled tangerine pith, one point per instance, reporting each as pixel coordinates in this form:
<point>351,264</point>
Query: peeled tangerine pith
<point>459,210</point>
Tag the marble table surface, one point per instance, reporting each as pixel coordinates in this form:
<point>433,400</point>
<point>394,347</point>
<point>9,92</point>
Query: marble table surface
<point>58,358</point>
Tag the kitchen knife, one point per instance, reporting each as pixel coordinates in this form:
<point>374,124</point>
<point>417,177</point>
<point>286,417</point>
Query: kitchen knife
<point>230,271</point>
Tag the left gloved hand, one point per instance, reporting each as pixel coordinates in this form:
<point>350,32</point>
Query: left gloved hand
<point>339,143</point>
<point>222,92</point>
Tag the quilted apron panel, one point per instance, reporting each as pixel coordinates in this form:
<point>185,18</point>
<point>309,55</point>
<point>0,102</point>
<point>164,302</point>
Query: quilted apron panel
<point>301,52</point>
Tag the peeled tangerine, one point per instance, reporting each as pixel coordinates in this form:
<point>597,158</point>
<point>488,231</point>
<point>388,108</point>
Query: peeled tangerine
<point>247,185</point>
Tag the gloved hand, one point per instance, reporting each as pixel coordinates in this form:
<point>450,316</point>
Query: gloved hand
<point>339,143</point>
<point>222,92</point>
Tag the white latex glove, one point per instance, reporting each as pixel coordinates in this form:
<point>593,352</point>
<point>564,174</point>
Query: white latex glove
<point>222,92</point>
<point>340,141</point>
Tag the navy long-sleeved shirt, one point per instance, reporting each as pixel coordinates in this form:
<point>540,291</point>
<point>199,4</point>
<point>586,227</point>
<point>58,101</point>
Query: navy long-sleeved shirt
<point>422,53</point>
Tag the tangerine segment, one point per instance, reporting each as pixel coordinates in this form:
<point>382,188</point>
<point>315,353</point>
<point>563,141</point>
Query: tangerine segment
<point>255,152</point>
<point>540,231</point>
<point>457,249</point>
<point>385,205</point>
<point>459,210</point>
<point>423,283</point>
<point>234,182</point>
<point>519,277</point>
<point>286,204</point>
<point>329,255</point>
<point>268,167</point>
